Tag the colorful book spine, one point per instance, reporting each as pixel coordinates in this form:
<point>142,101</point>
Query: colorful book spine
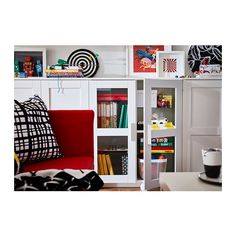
<point>160,151</point>
<point>100,165</point>
<point>126,117</point>
<point>112,97</point>
<point>104,164</point>
<point>121,121</point>
<point>109,164</point>
<point>168,144</point>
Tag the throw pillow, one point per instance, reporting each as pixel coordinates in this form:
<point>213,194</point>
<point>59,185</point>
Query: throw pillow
<point>34,139</point>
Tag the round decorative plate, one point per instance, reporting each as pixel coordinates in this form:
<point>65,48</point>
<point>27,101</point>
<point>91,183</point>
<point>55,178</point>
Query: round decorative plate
<point>86,59</point>
<point>216,181</point>
<point>198,53</point>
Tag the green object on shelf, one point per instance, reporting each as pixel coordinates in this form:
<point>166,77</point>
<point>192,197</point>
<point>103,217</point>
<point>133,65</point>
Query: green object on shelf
<point>61,62</point>
<point>121,116</point>
<point>16,66</point>
<point>126,117</point>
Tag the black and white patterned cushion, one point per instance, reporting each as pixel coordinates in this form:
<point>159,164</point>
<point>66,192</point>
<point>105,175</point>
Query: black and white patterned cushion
<point>58,180</point>
<point>34,139</point>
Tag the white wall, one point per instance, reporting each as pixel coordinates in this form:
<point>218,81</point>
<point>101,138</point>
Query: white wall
<point>112,58</point>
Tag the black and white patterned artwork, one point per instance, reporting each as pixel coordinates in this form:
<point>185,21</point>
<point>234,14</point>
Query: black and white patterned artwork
<point>198,53</point>
<point>86,59</point>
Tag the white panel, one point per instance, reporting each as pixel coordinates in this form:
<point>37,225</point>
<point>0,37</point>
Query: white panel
<point>67,99</point>
<point>206,107</point>
<point>24,89</point>
<point>65,94</point>
<point>22,94</point>
<point>197,144</point>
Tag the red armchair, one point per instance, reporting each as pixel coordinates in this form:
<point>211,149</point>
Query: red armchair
<point>74,132</point>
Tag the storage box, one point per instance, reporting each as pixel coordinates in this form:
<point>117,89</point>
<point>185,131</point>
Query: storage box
<point>158,165</point>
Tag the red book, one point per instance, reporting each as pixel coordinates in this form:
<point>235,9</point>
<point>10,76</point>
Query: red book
<point>112,97</point>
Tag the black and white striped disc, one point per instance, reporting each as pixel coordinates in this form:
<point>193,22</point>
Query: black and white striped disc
<point>86,59</point>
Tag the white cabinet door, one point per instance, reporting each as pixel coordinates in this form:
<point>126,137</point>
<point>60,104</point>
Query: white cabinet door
<point>162,141</point>
<point>114,103</point>
<point>65,94</point>
<point>202,120</point>
<point>24,89</point>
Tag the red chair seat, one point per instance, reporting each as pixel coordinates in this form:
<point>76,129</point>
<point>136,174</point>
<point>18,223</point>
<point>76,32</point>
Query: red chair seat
<point>61,163</point>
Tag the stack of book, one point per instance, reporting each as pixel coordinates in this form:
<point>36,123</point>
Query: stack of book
<point>159,145</point>
<point>65,72</point>
<point>112,111</point>
<point>105,164</point>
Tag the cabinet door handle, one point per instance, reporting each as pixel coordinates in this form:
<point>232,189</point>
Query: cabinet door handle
<point>149,135</point>
<point>132,131</point>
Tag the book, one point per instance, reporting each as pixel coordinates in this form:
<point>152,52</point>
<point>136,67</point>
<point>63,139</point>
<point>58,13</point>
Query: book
<point>114,117</point>
<point>112,97</point>
<point>104,164</point>
<point>160,140</point>
<point>126,117</point>
<point>160,151</point>
<point>100,165</point>
<point>167,144</point>
<point>109,164</point>
<point>121,116</point>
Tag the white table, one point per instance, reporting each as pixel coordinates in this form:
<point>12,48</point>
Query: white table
<point>185,181</point>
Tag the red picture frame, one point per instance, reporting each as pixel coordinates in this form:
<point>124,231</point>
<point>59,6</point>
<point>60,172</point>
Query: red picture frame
<point>142,59</point>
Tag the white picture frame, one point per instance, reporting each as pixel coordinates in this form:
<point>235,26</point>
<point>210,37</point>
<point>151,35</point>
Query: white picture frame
<point>29,50</point>
<point>143,74</point>
<point>170,64</point>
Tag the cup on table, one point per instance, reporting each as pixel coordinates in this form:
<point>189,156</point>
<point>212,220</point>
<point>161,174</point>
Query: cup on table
<point>212,161</point>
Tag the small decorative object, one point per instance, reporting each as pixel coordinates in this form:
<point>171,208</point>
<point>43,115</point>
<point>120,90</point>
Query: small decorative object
<point>143,59</point>
<point>198,54</point>
<point>164,101</point>
<point>16,67</point>
<point>210,69</point>
<point>63,70</point>
<point>39,68</point>
<point>140,125</point>
<point>22,74</point>
<point>158,121</point>
<point>28,66</point>
<point>170,64</point>
<point>85,59</point>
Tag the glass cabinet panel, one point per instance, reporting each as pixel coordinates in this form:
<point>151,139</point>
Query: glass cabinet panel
<point>161,149</point>
<point>163,114</point>
<point>112,155</point>
<point>112,108</point>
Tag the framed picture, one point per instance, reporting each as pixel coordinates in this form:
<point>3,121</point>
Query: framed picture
<point>142,60</point>
<point>170,64</point>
